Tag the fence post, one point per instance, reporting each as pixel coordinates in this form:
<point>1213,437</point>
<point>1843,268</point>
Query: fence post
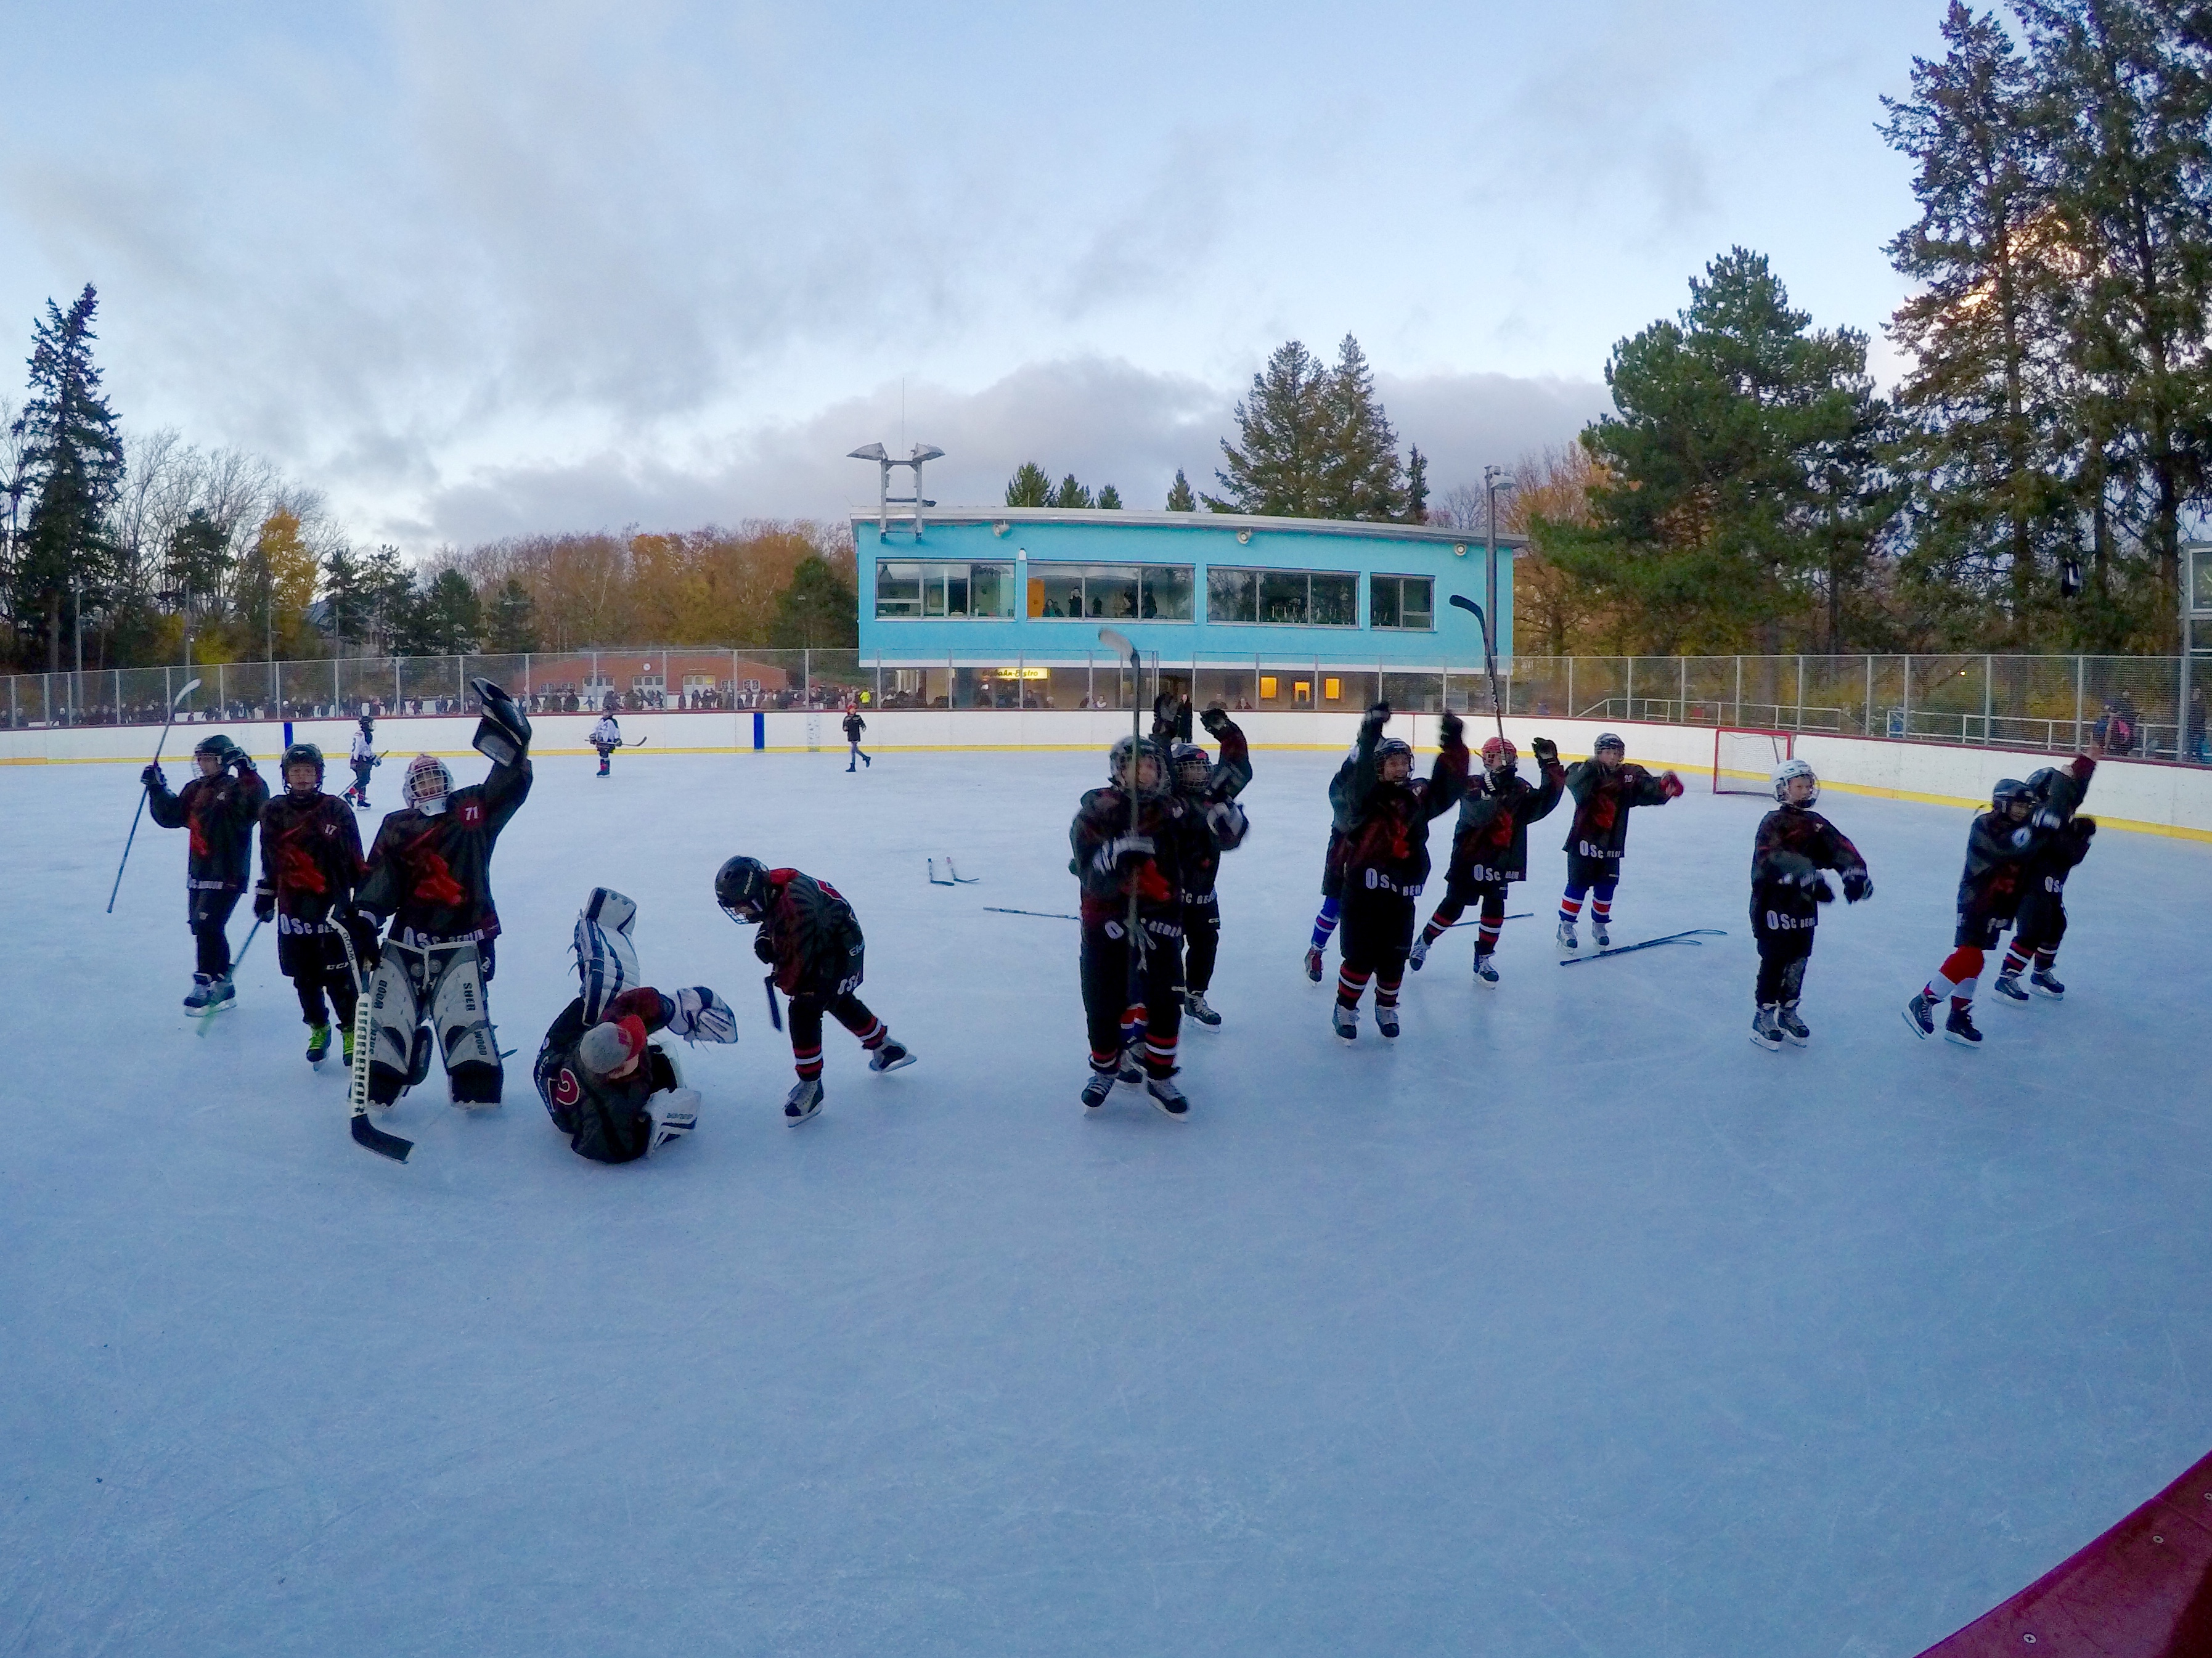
<point>1571,688</point>
<point>1988,668</point>
<point>1907,731</point>
<point>879,676</point>
<point>1800,726</point>
<point>1739,689</point>
<point>806,674</point>
<point>525,675</point>
<point>221,692</point>
<point>2078,686</point>
<point>1685,716</point>
<point>1630,697</point>
<point>1866,718</point>
<point>276,673</point>
<point>334,685</point>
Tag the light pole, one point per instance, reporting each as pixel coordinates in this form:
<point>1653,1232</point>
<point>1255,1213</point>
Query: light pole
<point>1494,478</point>
<point>884,499</point>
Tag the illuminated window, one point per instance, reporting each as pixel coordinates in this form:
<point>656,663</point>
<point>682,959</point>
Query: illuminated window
<point>1267,688</point>
<point>1332,689</point>
<point>1302,693</point>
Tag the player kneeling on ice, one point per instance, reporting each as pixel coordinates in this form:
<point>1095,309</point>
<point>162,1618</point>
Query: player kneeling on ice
<point>220,810</point>
<point>812,940</point>
<point>1382,814</point>
<point>616,1096</point>
<point>429,872</point>
<point>1794,845</point>
<point>1490,848</point>
<point>1212,824</point>
<point>2042,911</point>
<point>1126,840</point>
<point>310,864</point>
<point>2004,844</point>
<point>1604,789</point>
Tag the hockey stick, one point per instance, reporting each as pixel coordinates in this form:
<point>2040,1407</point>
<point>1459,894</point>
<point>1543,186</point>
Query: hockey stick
<point>366,1133</point>
<point>230,978</point>
<point>1119,642</point>
<point>1521,915</point>
<point>1048,914</point>
<point>191,685</point>
<point>775,1013</point>
<point>958,879</point>
<point>933,881</point>
<point>1489,657</point>
<point>1693,937</point>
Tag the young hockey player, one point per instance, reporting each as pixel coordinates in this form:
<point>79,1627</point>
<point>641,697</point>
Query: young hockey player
<point>812,941</point>
<point>310,864</point>
<point>2043,908</point>
<point>1130,985</point>
<point>1604,790</point>
<point>2003,843</point>
<point>429,873</point>
<point>1382,814</point>
<point>219,808</point>
<point>1212,824</point>
<point>615,1094</point>
<point>364,759</point>
<point>606,738</point>
<point>1490,848</point>
<point>1794,844</point>
<point>1331,912</point>
<point>1233,770</point>
<point>854,727</point>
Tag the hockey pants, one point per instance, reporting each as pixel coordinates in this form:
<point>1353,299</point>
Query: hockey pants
<point>207,912</point>
<point>1489,896</point>
<point>449,980</point>
<point>1781,958</point>
<point>806,1020</point>
<point>1114,993</point>
<point>313,959</point>
<point>1202,939</point>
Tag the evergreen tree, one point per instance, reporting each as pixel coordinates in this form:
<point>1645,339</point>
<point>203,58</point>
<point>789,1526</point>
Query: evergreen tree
<point>1180,498</point>
<point>1110,499</point>
<point>1071,494</point>
<point>396,622</point>
<point>1028,487</point>
<point>510,623</point>
<point>818,611</point>
<point>74,459</point>
<point>450,621</point>
<point>1279,426</point>
<point>345,602</point>
<point>198,558</point>
<point>1360,474</point>
<point>1417,486</point>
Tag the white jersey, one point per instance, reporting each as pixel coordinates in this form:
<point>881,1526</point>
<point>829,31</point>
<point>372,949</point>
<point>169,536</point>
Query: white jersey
<point>363,749</point>
<point>606,731</point>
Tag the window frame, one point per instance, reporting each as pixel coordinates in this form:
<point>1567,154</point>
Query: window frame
<point>935,576</point>
<point>1375,577</point>
<point>1256,573</point>
<point>1138,576</point>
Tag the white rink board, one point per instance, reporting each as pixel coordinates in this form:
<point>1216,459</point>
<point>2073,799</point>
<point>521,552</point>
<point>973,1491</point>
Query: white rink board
<point>1575,1324</point>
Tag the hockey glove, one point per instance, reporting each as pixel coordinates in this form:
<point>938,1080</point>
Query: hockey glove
<point>1670,786</point>
<point>2086,825</point>
<point>764,947</point>
<point>1821,892</point>
<point>265,904</point>
<point>152,778</point>
<point>2046,819</point>
<point>1858,885</point>
<point>703,1016</point>
<point>362,926</point>
<point>1449,727</point>
<point>1123,850</point>
<point>1546,750</point>
<point>1228,824</point>
<point>1375,718</point>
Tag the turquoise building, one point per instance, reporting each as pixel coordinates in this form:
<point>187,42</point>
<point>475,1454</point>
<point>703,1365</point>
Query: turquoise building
<point>1001,607</point>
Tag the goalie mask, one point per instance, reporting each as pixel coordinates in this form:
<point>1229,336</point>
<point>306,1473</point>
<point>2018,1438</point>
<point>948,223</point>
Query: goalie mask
<point>428,784</point>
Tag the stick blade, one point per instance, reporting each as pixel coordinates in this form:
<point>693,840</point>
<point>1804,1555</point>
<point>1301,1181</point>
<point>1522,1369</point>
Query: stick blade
<point>1116,641</point>
<point>366,1133</point>
<point>1467,604</point>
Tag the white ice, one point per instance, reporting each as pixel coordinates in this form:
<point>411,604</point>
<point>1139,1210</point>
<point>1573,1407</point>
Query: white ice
<point>1574,1324</point>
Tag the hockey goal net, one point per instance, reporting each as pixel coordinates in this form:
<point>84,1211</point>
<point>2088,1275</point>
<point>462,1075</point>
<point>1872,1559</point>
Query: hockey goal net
<point>1744,760</point>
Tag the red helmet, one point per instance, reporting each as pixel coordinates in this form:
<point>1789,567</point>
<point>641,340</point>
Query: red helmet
<point>1499,755</point>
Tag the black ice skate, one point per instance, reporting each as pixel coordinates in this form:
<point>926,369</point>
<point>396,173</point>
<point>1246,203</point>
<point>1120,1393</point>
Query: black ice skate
<point>1485,974</point>
<point>1793,1027</point>
<point>1920,1014</point>
<point>1344,1020</point>
<point>2009,987</point>
<point>1166,1095</point>
<point>1960,1028</point>
<point>196,997</point>
<point>891,1056</point>
<point>1097,1088</point>
<point>1418,954</point>
<point>1763,1030</point>
<point>803,1101</point>
<point>2044,983</point>
<point>1386,1022</point>
<point>1195,1006</point>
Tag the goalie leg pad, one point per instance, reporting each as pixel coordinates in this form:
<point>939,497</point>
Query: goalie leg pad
<point>675,1114</point>
<point>458,1013</point>
<point>392,1018</point>
<point>606,960</point>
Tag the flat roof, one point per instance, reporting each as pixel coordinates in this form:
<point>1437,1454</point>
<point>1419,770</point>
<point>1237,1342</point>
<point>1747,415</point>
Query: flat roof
<point>1383,530</point>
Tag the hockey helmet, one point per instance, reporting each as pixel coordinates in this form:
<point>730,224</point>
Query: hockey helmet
<point>1193,768</point>
<point>1118,767</point>
<point>1608,740</point>
<point>217,748</point>
<point>2009,792</point>
<point>2040,780</point>
<point>1214,718</point>
<point>1792,768</point>
<point>369,722</point>
<point>741,889</point>
<point>1388,749</point>
<point>1498,754</point>
<point>301,753</point>
<point>427,785</point>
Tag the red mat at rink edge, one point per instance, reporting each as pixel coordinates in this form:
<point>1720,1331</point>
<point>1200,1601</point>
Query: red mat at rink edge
<point>2141,1591</point>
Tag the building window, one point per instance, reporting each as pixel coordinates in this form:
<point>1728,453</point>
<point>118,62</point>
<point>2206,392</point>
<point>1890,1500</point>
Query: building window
<point>1111,592</point>
<point>971,591</point>
<point>1283,598</point>
<point>1401,601</point>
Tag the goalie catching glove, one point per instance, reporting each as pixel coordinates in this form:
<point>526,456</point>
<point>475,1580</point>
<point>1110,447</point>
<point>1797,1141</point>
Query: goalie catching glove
<point>701,1016</point>
<point>503,733</point>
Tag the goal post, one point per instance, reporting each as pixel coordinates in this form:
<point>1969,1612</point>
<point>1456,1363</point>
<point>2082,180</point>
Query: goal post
<point>1744,759</point>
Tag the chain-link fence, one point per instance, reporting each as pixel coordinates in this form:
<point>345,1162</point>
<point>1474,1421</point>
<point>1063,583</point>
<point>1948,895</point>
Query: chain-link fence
<point>2135,704</point>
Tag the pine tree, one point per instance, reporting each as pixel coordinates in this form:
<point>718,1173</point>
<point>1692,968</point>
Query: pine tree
<point>510,624</point>
<point>451,619</point>
<point>1360,474</point>
<point>1277,471</point>
<point>817,610</point>
<point>1071,494</point>
<point>74,459</point>
<point>1110,499</point>
<point>1180,498</point>
<point>1028,487</point>
<point>1417,486</point>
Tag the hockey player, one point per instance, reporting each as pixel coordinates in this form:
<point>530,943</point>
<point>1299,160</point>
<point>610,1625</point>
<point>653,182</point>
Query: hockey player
<point>606,738</point>
<point>1381,816</point>
<point>2043,908</point>
<point>1233,770</point>
<point>429,873</point>
<point>219,809</point>
<point>1212,824</point>
<point>616,1096</point>
<point>1794,844</point>
<point>310,864</point>
<point>812,941</point>
<point>364,759</point>
<point>1331,912</point>
<point>2000,847</point>
<point>1129,985</point>
<point>1604,789</point>
<point>854,727</point>
<point>1490,848</point>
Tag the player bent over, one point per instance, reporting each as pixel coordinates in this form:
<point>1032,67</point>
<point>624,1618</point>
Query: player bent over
<point>1794,844</point>
<point>606,738</point>
<point>1490,848</point>
<point>2000,847</point>
<point>219,810</point>
<point>616,1096</point>
<point>429,872</point>
<point>811,939</point>
<point>2043,910</point>
<point>1212,824</point>
<point>1382,814</point>
<point>1130,985</point>
<point>310,864</point>
<point>1605,790</point>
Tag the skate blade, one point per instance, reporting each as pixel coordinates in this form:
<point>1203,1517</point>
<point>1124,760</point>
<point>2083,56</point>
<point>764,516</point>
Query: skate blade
<point>1769,1043</point>
<point>1793,1041</point>
<point>1957,1041</point>
<point>2049,995</point>
<point>896,1064</point>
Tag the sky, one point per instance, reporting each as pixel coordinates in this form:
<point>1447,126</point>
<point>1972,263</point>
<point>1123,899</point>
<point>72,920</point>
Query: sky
<point>476,270</point>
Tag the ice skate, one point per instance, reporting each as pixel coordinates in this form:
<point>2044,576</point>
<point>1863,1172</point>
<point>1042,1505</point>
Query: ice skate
<point>1166,1095</point>
<point>1195,1006</point>
<point>1418,954</point>
<point>1599,936</point>
<point>2044,983</point>
<point>1920,1014</point>
<point>1960,1028</point>
<point>893,1055</point>
<point>803,1101</point>
<point>1486,974</point>
<point>1568,943</point>
<point>1345,1021</point>
<point>1763,1030</point>
<point>1313,962</point>
<point>2009,987</point>
<point>346,1036</point>
<point>196,997</point>
<point>1386,1022</point>
<point>318,1043</point>
<point>1793,1027</point>
<point>1097,1088</point>
<point>1133,1065</point>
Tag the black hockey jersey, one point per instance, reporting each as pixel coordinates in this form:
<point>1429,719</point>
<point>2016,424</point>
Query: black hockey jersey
<point>219,813</point>
<point>431,874</point>
<point>1491,842</point>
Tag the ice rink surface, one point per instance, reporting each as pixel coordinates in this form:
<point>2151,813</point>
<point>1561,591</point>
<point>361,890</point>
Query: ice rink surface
<point>1574,1324</point>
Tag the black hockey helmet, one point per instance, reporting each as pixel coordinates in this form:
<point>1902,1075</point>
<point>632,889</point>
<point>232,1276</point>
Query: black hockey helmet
<point>1214,718</point>
<point>1390,745</point>
<point>1608,740</point>
<point>1117,762</point>
<point>2008,791</point>
<point>217,746</point>
<point>300,754</point>
<point>741,889</point>
<point>1193,768</point>
<point>367,720</point>
<point>2040,780</point>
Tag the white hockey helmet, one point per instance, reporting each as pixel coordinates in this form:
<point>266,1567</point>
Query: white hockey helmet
<point>1789,768</point>
<point>428,784</point>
